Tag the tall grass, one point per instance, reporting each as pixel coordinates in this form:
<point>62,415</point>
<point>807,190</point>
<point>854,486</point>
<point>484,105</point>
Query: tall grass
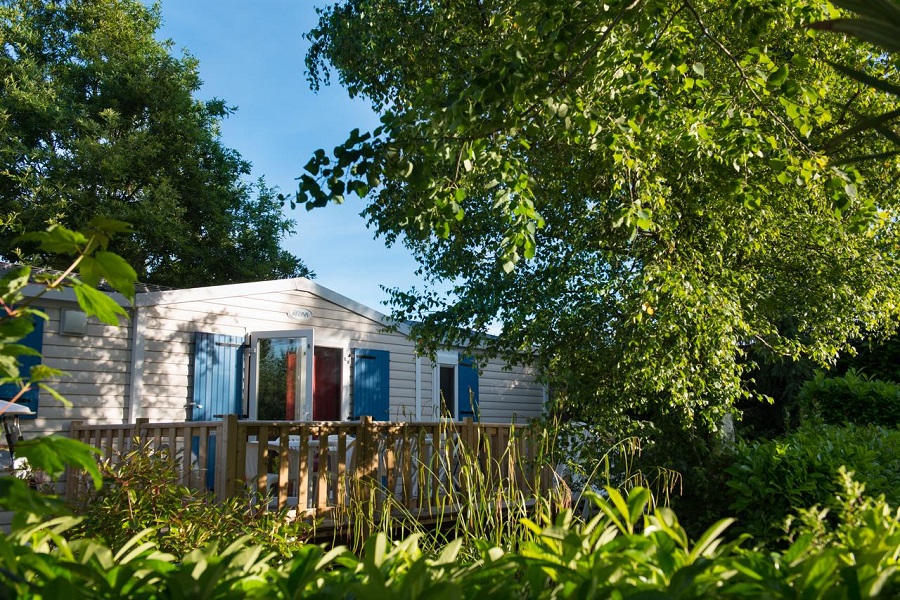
<point>484,491</point>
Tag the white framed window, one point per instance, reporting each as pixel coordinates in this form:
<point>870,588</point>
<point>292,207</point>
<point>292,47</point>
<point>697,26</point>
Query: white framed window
<point>446,384</point>
<point>281,368</point>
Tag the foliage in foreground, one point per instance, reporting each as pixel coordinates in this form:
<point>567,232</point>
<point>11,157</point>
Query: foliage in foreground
<point>625,551</point>
<point>142,491</point>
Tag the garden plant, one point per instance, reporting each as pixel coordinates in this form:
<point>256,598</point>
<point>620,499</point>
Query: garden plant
<point>647,300</point>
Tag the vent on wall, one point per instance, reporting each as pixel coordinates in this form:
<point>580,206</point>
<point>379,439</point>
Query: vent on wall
<point>72,322</point>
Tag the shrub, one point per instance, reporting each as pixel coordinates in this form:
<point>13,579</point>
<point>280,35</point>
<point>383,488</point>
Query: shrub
<point>627,550</point>
<point>770,480</point>
<point>852,398</point>
<point>142,491</point>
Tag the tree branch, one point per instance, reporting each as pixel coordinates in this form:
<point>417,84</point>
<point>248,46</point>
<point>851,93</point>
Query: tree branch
<point>744,76</point>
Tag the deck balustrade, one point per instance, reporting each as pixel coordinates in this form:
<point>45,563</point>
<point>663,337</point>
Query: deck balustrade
<point>322,469</point>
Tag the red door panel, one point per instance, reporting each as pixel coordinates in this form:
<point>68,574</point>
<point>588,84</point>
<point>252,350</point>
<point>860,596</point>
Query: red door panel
<point>327,384</point>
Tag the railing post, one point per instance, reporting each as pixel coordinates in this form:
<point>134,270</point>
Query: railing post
<point>468,435</point>
<point>72,475</point>
<point>138,437</point>
<point>226,457</point>
<point>367,464</point>
<point>73,428</point>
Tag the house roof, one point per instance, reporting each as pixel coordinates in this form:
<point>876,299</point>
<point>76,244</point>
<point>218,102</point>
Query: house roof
<point>218,292</point>
<point>151,295</point>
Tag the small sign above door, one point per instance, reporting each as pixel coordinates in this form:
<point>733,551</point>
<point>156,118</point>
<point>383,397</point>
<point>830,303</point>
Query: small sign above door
<point>300,314</point>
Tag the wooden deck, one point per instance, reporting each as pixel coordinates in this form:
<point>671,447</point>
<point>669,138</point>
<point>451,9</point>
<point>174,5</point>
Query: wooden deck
<point>327,470</point>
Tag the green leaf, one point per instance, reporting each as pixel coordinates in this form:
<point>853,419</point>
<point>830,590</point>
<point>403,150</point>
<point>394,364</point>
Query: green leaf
<point>15,495</point>
<point>638,499</point>
<point>621,506</point>
<point>13,282</point>
<point>780,75</point>
<point>117,272</point>
<point>97,304</point>
<point>109,226</point>
<point>57,239</point>
<point>43,372</point>
<point>376,550</point>
<point>358,187</point>
<point>710,539</point>
<point>13,330</point>
<point>52,454</point>
<point>450,553</point>
<point>55,393</point>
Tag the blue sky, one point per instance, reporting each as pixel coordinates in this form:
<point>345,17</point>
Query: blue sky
<point>251,55</point>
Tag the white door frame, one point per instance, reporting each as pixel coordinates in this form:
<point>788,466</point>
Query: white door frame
<point>306,385</point>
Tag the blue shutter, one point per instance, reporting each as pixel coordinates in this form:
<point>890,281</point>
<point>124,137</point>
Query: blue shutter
<point>467,372</point>
<point>218,375</point>
<point>218,386</point>
<point>35,341</point>
<point>371,384</point>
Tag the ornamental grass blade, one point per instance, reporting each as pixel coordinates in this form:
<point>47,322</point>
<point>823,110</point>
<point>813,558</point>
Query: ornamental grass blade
<point>887,10</point>
<point>710,539</point>
<point>863,158</point>
<point>865,78</point>
<point>622,507</point>
<point>883,35</point>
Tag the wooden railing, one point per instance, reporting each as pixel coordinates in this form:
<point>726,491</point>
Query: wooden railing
<point>194,440</point>
<point>323,468</point>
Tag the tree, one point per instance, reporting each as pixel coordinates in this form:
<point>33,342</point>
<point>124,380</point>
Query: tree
<point>635,191</point>
<point>98,119</point>
<point>876,22</point>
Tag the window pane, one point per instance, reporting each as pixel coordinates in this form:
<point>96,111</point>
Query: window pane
<point>281,378</point>
<point>448,391</point>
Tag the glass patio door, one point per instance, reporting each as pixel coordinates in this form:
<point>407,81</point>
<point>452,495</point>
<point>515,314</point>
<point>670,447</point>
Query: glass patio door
<point>281,375</point>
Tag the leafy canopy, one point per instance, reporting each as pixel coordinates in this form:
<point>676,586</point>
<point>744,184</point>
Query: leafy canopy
<point>635,191</point>
<point>98,118</point>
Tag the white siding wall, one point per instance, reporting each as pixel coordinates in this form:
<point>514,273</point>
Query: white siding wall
<point>98,378</point>
<point>99,383</point>
<point>507,395</point>
<point>169,329</point>
<point>503,395</point>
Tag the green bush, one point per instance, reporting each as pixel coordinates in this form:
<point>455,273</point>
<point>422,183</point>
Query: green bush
<point>142,491</point>
<point>627,550</point>
<point>852,398</point>
<point>771,480</point>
